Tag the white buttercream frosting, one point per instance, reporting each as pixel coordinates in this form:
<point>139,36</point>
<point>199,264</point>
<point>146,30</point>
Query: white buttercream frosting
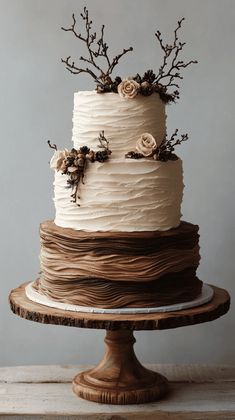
<point>123,195</point>
<point>123,120</point>
<point>120,194</point>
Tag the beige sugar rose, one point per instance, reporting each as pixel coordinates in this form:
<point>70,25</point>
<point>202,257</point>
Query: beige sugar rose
<point>128,88</point>
<point>58,159</point>
<point>146,144</point>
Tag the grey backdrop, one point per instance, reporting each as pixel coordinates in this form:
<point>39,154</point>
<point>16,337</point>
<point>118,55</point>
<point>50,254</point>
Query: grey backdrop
<point>36,102</point>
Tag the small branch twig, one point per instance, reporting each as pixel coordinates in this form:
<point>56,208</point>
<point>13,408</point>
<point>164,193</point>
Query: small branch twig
<point>166,149</point>
<point>104,143</point>
<point>97,48</point>
<point>169,71</point>
<point>52,146</point>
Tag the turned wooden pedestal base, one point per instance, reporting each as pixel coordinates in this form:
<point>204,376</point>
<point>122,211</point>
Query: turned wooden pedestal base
<point>120,378</point>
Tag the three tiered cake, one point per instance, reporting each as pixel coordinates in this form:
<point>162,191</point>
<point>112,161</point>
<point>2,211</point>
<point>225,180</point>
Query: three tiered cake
<point>117,240</point>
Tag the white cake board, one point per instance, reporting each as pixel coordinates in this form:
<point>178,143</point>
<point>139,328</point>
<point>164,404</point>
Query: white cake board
<point>205,296</point>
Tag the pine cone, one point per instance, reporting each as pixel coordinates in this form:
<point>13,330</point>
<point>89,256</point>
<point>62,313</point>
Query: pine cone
<point>84,150</point>
<point>146,88</point>
<point>101,156</point>
<point>149,76</point>
<point>133,155</point>
<point>100,89</point>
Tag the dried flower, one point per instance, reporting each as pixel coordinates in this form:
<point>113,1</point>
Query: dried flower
<point>91,156</point>
<point>146,144</point>
<point>72,169</point>
<point>58,159</point>
<point>128,88</point>
<point>81,162</point>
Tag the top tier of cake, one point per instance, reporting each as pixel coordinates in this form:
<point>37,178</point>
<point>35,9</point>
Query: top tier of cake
<point>123,120</point>
<point>121,194</point>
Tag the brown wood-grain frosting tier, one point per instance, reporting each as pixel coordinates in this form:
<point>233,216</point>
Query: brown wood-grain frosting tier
<point>117,256</point>
<point>171,288</point>
<point>109,269</point>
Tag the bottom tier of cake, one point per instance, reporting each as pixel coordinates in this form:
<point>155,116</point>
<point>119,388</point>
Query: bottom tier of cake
<point>118,269</point>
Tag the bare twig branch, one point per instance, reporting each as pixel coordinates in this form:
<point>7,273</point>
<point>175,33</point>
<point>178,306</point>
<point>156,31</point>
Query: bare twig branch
<point>104,143</point>
<point>117,58</point>
<point>166,149</point>
<point>170,69</point>
<point>76,70</point>
<point>52,146</point>
<point>97,48</point>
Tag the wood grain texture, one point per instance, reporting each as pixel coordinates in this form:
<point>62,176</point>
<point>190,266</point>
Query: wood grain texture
<point>44,392</point>
<point>32,311</point>
<point>120,378</point>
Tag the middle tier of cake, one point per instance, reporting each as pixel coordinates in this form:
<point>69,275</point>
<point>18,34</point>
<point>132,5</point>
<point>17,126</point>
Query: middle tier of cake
<point>118,269</point>
<point>122,195</point>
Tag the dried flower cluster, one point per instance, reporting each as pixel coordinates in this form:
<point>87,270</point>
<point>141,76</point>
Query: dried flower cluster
<point>167,77</point>
<point>148,147</point>
<point>73,163</point>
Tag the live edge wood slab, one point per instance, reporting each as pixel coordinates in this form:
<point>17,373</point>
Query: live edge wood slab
<point>120,378</point>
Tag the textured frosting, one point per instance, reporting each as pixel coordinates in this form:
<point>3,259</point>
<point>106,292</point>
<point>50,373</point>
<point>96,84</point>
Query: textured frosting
<point>123,195</point>
<point>123,120</point>
<point>174,287</point>
<point>106,269</point>
<point>69,256</point>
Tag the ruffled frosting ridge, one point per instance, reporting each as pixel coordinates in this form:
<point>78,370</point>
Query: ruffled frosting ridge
<point>173,288</point>
<point>123,195</point>
<point>123,120</point>
<point>78,266</point>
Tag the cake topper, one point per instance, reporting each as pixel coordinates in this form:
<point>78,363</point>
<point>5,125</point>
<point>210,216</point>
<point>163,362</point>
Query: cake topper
<point>168,75</point>
<point>97,48</point>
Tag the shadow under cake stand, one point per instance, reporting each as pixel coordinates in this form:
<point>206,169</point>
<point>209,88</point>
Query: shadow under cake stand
<point>120,378</point>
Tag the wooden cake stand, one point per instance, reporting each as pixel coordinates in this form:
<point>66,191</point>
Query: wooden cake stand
<point>120,378</point>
